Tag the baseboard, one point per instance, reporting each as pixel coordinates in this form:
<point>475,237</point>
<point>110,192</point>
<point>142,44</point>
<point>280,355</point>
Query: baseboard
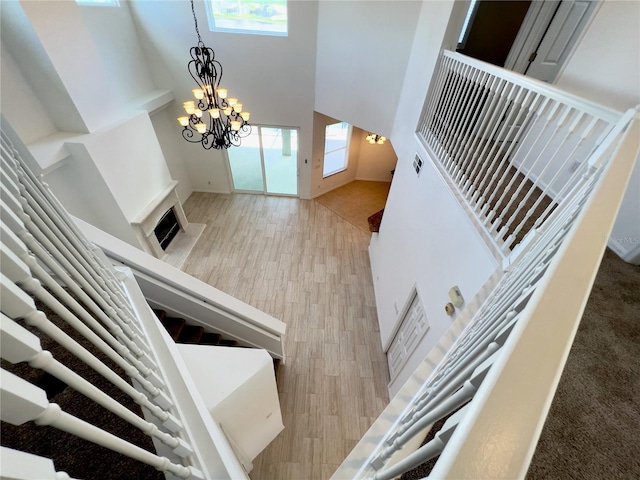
<point>226,192</point>
<point>629,255</point>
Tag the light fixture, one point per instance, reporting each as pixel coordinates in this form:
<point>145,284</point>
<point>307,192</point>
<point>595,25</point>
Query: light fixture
<point>212,119</point>
<point>375,138</point>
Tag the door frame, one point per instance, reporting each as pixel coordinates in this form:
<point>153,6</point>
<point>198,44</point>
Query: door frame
<point>262,166</point>
<point>532,32</point>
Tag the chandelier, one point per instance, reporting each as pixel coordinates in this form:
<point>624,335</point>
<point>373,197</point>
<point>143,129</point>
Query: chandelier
<point>375,138</point>
<point>213,119</point>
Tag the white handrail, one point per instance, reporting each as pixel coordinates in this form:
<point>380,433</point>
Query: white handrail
<point>192,299</point>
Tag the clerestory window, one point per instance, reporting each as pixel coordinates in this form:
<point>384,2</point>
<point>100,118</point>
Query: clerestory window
<point>260,17</point>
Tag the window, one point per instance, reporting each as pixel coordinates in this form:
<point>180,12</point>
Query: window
<point>99,3</point>
<point>336,148</point>
<point>261,17</point>
<point>464,33</point>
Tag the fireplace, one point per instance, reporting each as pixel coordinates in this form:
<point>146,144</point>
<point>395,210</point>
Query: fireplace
<point>167,228</point>
<point>163,221</point>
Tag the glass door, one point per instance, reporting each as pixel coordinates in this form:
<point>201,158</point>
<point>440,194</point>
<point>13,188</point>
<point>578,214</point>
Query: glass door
<point>266,162</point>
<point>246,164</point>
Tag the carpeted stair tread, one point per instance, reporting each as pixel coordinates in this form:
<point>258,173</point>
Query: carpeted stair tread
<point>190,334</point>
<point>210,338</point>
<point>227,343</point>
<point>174,326</point>
<point>161,314</point>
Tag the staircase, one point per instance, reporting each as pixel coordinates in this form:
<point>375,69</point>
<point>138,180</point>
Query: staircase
<point>182,332</point>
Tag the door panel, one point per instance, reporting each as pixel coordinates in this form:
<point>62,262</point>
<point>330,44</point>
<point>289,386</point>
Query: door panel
<point>280,153</point>
<point>562,34</point>
<point>246,164</point>
<point>266,162</point>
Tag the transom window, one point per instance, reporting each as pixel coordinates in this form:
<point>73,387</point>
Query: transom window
<point>261,17</point>
<point>336,148</point>
<point>99,3</point>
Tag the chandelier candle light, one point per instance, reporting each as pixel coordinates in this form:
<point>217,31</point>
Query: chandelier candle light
<point>214,119</point>
<point>374,138</point>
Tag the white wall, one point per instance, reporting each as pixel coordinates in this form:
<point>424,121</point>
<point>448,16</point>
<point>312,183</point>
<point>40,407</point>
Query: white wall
<point>273,76</point>
<point>40,80</point>
<point>170,140</point>
<point>130,160</point>
<point>94,82</point>
<point>426,240</point>
<point>18,97</point>
<point>363,49</point>
<point>605,68</point>
<point>89,197</point>
<point>375,162</point>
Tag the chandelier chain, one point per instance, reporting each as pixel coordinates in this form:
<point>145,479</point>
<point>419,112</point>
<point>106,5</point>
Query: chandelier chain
<point>195,20</point>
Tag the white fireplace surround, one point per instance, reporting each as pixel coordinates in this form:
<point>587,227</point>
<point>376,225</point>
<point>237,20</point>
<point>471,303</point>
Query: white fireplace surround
<point>146,221</point>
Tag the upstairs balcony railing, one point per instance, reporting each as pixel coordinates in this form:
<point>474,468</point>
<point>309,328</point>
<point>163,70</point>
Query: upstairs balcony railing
<point>513,148</point>
<point>534,166</point>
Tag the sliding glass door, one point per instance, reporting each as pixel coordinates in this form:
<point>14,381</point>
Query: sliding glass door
<point>266,162</point>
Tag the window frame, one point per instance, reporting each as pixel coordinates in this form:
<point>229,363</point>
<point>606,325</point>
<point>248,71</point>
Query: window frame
<point>346,149</point>
<point>98,3</point>
<point>211,18</point>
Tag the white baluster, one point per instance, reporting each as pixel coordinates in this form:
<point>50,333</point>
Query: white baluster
<point>18,305</point>
<point>23,402</point>
<point>20,273</point>
<point>20,345</point>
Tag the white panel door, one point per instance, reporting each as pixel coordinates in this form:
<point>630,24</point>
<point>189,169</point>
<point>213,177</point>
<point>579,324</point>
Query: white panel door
<point>562,34</point>
<point>413,327</point>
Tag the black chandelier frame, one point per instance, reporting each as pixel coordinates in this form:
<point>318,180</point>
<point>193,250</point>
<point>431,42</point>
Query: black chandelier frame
<point>206,71</point>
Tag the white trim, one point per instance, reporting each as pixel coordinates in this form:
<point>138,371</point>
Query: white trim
<point>531,31</point>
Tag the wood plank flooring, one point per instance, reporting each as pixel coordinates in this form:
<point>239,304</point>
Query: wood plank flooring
<point>305,265</point>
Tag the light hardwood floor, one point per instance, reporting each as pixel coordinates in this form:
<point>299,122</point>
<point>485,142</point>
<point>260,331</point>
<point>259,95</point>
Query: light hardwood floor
<point>305,265</point>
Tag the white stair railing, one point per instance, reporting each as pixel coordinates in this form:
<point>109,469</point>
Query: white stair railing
<point>44,258</point>
<point>511,146</point>
<point>522,332</point>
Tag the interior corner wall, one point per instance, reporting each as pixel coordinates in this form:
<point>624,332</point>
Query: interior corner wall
<point>320,185</point>
<point>169,137</point>
<point>21,107</point>
<point>375,162</point>
<point>130,160</point>
<point>362,54</point>
<point>79,186</point>
<point>605,68</point>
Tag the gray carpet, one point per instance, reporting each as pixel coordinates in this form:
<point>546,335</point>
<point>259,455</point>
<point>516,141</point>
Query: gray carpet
<point>593,427</point>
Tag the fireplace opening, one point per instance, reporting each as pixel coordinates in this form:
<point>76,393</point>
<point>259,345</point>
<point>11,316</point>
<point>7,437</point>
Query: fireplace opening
<point>167,228</point>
